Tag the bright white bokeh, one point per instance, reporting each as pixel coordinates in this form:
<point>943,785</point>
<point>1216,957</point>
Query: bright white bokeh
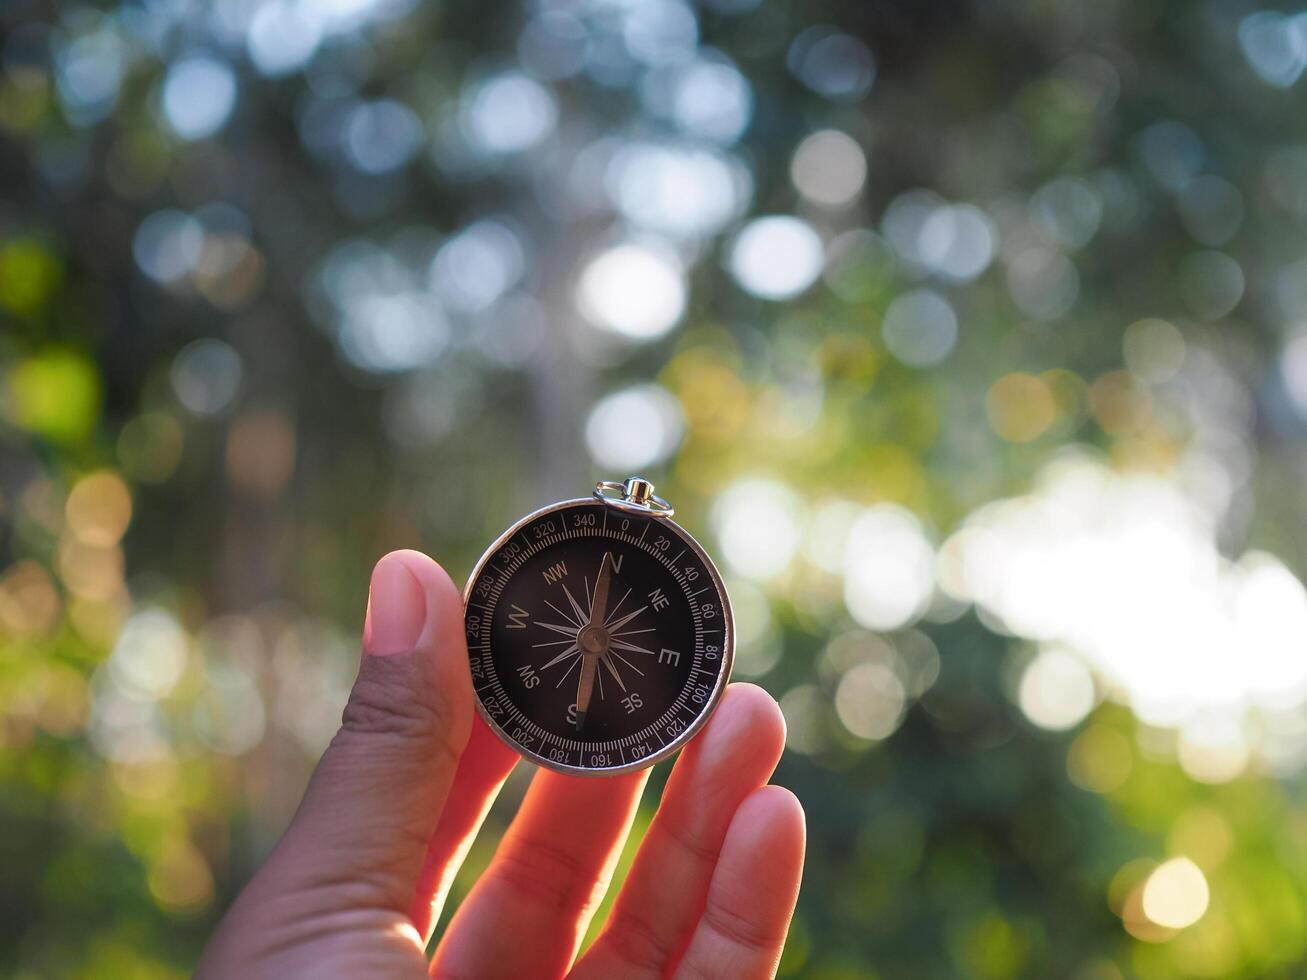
<point>888,568</point>
<point>1056,690</point>
<point>1124,571</point>
<point>199,94</point>
<point>1213,749</point>
<point>1176,894</point>
<point>507,113</point>
<point>150,656</point>
<point>633,290</point>
<point>829,168</point>
<point>634,428</point>
<point>683,190</point>
<point>757,525</point>
<point>282,37</point>
<point>711,99</point>
<point>659,32</point>
<point>776,257</point>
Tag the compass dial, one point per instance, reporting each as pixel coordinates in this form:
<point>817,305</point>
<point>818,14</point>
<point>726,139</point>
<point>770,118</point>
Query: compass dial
<point>599,639</point>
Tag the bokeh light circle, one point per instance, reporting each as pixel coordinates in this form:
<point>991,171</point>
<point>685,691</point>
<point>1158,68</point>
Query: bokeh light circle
<point>634,428</point>
<point>920,328</point>
<point>199,94</point>
<point>632,290</point>
<point>829,168</point>
<point>776,257</point>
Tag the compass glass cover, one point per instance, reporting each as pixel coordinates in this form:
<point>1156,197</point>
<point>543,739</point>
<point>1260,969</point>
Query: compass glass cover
<point>658,647</point>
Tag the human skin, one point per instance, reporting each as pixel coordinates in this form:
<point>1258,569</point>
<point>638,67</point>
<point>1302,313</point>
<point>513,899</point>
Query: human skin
<point>356,884</point>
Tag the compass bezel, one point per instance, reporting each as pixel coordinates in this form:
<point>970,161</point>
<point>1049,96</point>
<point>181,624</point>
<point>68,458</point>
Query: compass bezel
<point>719,685</point>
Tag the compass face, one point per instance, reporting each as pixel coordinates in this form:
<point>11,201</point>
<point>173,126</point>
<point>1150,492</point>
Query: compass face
<point>599,640</point>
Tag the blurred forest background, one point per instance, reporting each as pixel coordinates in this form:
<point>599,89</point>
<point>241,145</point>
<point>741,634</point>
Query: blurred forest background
<point>971,337</point>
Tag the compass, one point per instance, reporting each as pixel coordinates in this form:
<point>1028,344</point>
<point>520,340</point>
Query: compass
<point>599,632</point>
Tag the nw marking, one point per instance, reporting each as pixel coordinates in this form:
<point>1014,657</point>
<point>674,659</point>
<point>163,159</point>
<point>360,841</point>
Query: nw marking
<point>554,572</point>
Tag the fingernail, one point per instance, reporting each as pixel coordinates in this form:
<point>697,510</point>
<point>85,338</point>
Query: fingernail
<point>397,610</point>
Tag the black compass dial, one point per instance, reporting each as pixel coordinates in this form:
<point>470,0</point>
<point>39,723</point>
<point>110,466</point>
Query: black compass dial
<point>599,640</point>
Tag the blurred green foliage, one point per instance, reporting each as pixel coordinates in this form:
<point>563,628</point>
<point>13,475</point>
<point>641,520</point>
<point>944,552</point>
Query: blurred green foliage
<point>242,356</point>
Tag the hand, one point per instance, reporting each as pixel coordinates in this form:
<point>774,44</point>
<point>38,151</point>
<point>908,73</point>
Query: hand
<point>355,886</point>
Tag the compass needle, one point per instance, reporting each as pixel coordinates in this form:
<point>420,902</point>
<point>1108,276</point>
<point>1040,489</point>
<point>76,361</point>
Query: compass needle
<point>620,610</point>
<point>584,689</point>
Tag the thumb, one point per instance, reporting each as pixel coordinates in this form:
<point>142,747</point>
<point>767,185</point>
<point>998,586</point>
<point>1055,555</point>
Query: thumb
<point>377,793</point>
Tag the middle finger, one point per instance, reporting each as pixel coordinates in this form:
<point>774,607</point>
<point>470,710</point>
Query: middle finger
<point>527,914</point>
